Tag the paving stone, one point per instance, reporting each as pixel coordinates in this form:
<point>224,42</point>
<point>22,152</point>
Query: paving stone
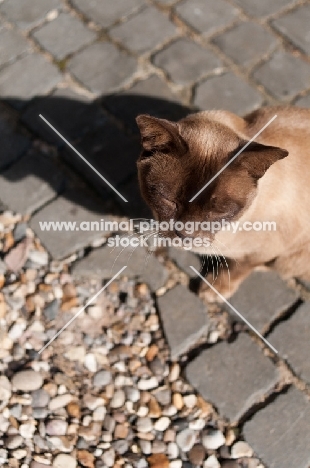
<point>71,113</point>
<point>30,183</point>
<point>105,262</point>
<point>291,339</point>
<point>246,43</point>
<point>74,205</point>
<point>295,26</point>
<point>102,68</point>
<point>105,12</point>
<point>110,151</point>
<point>185,61</point>
<point>233,376</point>
<point>261,298</point>
<point>151,96</point>
<point>227,92</point>
<point>263,7</point>
<point>184,259</point>
<point>303,101</point>
<point>12,45</point>
<point>27,15</point>
<point>13,143</point>
<point>63,36</point>
<point>284,75</point>
<point>144,31</point>
<point>184,318</point>
<point>29,76</point>
<point>206,16</point>
<point>280,432</point>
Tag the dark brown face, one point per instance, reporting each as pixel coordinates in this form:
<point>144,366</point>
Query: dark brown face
<point>178,159</point>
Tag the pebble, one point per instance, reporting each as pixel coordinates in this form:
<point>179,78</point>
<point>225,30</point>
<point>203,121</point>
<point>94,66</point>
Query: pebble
<point>146,447</point>
<point>40,398</point>
<point>99,413</point>
<point>213,439</point>
<point>163,396</point>
<point>3,456</point>
<point>211,462</point>
<point>39,413</point>
<point>148,384</point>
<point>19,454</point>
<point>13,442</point>
<point>132,394</point>
<point>174,372</point>
<point>86,458</point>
<point>38,257</point>
<point>158,446</point>
<point>121,446</point>
<point>108,457</point>
<point>162,424</point>
<point>5,388</point>
<point>197,454</point>
<point>186,439</point>
<point>27,380</point>
<point>197,424</point>
<point>158,460</point>
<point>118,399</point>
<point>90,362</point>
<point>190,401</point>
<point>176,464</point>
<point>172,450</point>
<point>144,425</point>
<point>241,449</point>
<point>27,430</point>
<point>51,310</point>
<point>60,401</point>
<point>102,378</point>
<point>56,427</point>
<point>64,461</point>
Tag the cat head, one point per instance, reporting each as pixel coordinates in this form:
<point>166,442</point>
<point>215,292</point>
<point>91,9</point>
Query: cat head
<point>179,158</point>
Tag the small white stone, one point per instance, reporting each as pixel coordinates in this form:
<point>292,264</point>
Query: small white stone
<point>144,425</point>
<point>99,413</point>
<point>241,449</point>
<point>118,399</point>
<point>197,424</point>
<point>108,457</point>
<point>162,424</point>
<point>64,461</point>
<point>27,381</point>
<point>142,411</point>
<point>19,454</point>
<point>176,464</point>
<point>148,384</point>
<point>190,401</point>
<point>213,440</point>
<point>38,257</point>
<point>174,372</point>
<point>76,353</point>
<point>186,439</point>
<point>60,401</point>
<point>5,388</point>
<point>17,330</point>
<point>27,430</point>
<point>211,462</point>
<point>90,362</point>
<point>172,450</point>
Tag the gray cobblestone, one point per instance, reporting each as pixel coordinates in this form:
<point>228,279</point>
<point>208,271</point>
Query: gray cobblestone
<point>261,298</point>
<point>263,7</point>
<point>280,433</point>
<point>63,36</point>
<point>206,16</point>
<point>227,92</point>
<point>105,12</point>
<point>184,259</point>
<point>184,319</point>
<point>71,113</point>
<point>13,143</point>
<point>29,76</point>
<point>102,67</point>
<point>107,261</point>
<point>74,205</point>
<point>133,33</point>
<point>291,339</point>
<point>185,61</point>
<point>150,96</point>
<point>30,183</point>
<point>295,26</point>
<point>12,46</point>
<point>284,75</point>
<point>27,15</point>
<point>246,43</point>
<point>233,376</point>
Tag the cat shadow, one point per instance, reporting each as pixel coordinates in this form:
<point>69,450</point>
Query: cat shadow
<point>105,133</point>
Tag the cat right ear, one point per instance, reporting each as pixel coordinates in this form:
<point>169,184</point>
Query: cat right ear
<point>160,135</point>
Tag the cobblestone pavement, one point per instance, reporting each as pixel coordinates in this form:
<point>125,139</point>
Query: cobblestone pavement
<point>89,67</point>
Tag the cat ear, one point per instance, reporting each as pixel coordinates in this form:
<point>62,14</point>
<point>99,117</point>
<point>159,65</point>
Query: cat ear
<point>160,134</point>
<point>257,158</point>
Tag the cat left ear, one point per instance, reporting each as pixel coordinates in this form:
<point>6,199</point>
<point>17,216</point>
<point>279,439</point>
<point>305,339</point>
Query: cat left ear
<point>160,135</point>
<point>257,158</point>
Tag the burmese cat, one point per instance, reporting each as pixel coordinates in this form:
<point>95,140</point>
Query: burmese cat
<point>269,181</point>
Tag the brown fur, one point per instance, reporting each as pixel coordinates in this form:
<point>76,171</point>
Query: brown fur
<point>269,181</point>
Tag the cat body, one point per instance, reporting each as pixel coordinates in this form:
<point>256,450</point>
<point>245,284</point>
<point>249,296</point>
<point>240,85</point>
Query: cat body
<point>268,182</point>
